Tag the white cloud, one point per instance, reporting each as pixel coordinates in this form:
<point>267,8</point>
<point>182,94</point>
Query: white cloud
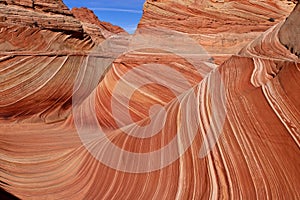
<point>118,10</point>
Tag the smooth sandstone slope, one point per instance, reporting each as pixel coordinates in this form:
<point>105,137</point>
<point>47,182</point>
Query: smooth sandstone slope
<point>289,33</point>
<point>258,147</point>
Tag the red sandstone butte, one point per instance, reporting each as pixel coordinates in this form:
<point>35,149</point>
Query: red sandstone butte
<point>97,29</point>
<point>244,107</point>
<point>86,15</point>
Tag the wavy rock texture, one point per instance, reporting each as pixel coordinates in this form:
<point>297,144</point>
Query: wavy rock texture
<point>221,27</point>
<point>49,6</point>
<point>255,95</point>
<point>36,58</point>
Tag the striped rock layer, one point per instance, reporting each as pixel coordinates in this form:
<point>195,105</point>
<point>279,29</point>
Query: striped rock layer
<point>233,128</point>
<point>222,27</point>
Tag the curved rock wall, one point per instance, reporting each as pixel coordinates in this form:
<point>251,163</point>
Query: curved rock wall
<point>174,125</point>
<point>221,27</point>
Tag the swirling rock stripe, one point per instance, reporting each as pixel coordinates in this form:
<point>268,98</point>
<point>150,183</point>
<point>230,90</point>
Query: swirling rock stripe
<point>37,86</point>
<point>256,157</point>
<point>223,28</point>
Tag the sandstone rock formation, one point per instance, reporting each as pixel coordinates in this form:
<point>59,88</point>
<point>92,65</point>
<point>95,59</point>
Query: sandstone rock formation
<point>289,33</point>
<point>98,30</point>
<point>48,43</point>
<point>221,27</point>
<point>86,15</point>
<point>49,6</point>
<point>231,130</point>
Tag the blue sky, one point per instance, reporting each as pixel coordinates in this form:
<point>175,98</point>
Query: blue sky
<point>124,13</point>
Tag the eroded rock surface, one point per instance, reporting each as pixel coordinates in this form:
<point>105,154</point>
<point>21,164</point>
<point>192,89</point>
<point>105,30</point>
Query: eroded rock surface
<point>290,32</point>
<point>86,15</point>
<point>97,29</point>
<point>41,53</point>
<point>234,127</point>
<point>221,27</point>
